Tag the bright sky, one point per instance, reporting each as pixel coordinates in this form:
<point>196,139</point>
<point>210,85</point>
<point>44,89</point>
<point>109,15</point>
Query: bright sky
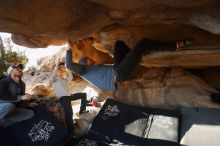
<point>33,54</point>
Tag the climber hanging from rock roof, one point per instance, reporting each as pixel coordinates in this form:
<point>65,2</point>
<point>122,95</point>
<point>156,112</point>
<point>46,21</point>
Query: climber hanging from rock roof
<point>126,60</point>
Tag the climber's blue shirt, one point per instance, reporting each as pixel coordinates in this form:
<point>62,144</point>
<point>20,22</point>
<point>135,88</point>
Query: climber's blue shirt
<point>102,76</point>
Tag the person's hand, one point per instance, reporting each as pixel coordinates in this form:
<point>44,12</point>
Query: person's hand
<point>26,97</point>
<point>69,42</point>
<point>33,104</point>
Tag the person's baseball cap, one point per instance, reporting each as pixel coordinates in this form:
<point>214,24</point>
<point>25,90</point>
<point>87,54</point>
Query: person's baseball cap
<point>10,68</point>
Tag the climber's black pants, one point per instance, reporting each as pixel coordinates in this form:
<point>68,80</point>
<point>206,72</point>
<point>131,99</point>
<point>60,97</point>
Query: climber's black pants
<point>126,60</point>
<point>65,101</point>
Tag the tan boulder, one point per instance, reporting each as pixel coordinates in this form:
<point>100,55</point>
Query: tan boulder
<point>167,89</point>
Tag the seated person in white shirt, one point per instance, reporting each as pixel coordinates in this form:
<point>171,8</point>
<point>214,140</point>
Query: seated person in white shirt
<point>60,79</point>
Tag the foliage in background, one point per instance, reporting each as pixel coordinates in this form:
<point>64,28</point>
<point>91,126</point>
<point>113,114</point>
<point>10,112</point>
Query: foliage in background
<point>9,57</point>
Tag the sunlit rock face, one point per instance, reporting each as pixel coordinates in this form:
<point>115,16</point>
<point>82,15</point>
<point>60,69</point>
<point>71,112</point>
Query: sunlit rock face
<point>37,83</point>
<point>85,48</point>
<point>48,63</point>
<point>80,48</point>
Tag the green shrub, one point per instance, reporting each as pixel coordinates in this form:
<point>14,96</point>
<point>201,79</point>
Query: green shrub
<point>9,57</point>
